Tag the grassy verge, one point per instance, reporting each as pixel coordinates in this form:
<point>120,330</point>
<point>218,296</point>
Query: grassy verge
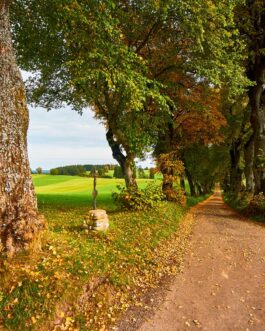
<point>192,201</point>
<point>240,204</point>
<point>80,281</point>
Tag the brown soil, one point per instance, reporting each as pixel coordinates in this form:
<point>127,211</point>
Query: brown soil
<point>222,286</point>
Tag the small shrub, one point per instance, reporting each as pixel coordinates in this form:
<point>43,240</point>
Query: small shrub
<point>141,173</point>
<point>256,205</point>
<point>136,199</point>
<point>152,172</point>
<point>54,172</point>
<point>238,201</point>
<point>84,175</point>
<point>106,176</point>
<point>118,172</point>
<point>176,195</point>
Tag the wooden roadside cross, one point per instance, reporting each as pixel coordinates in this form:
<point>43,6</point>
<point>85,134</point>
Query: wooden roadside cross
<point>95,192</point>
<point>97,219</point>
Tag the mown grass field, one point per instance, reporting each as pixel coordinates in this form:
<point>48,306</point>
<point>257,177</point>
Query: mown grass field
<point>73,191</point>
<point>82,281</point>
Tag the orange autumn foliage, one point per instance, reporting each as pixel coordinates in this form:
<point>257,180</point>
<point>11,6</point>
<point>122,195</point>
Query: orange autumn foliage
<point>200,118</point>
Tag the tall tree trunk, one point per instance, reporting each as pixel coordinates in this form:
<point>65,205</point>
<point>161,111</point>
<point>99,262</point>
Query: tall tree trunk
<point>256,73</point>
<point>182,183</point>
<point>225,183</point>
<point>166,145</point>
<point>235,171</point>
<point>207,187</point>
<point>20,223</point>
<point>256,95</point>
<point>167,185</point>
<point>199,189</point>
<point>128,170</point>
<point>191,184</point>
<point>126,163</point>
<point>249,158</point>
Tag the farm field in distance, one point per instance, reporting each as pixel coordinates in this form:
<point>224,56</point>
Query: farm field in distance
<point>74,191</point>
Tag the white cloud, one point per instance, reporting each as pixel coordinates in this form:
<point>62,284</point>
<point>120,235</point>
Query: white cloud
<point>50,156</point>
<point>61,137</point>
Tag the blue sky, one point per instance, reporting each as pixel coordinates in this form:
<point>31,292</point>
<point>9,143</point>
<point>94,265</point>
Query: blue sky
<point>63,137</point>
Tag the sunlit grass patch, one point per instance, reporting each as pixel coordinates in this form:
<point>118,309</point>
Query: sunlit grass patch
<point>34,286</point>
<point>78,280</point>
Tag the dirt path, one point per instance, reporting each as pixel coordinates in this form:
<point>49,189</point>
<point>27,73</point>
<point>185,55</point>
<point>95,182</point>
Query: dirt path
<point>222,286</point>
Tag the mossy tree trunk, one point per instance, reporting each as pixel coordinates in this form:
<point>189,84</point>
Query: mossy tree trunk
<point>20,223</point>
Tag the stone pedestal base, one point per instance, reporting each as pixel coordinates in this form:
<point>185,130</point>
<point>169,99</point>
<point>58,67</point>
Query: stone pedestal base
<point>96,220</point>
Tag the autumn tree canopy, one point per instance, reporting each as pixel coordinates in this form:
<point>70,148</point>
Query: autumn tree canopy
<point>184,80</point>
<point>127,60</point>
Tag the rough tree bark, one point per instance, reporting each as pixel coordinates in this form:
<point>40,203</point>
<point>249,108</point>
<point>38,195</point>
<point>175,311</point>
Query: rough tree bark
<point>257,119</point>
<point>166,145</point>
<point>167,185</point>
<point>256,73</point>
<point>199,189</point>
<point>191,184</point>
<point>249,158</point>
<point>236,172</point>
<point>20,223</point>
<point>182,183</point>
<point>126,162</point>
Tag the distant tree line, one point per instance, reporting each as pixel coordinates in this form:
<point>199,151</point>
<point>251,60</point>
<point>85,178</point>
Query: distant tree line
<point>102,171</point>
<point>83,170</point>
<point>72,170</point>
<point>107,167</point>
<point>143,173</point>
<point>39,170</point>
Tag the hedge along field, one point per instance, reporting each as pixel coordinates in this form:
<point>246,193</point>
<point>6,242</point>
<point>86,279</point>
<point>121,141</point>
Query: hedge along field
<point>80,281</point>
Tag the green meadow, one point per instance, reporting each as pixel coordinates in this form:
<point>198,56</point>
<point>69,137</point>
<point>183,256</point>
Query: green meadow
<point>74,191</point>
